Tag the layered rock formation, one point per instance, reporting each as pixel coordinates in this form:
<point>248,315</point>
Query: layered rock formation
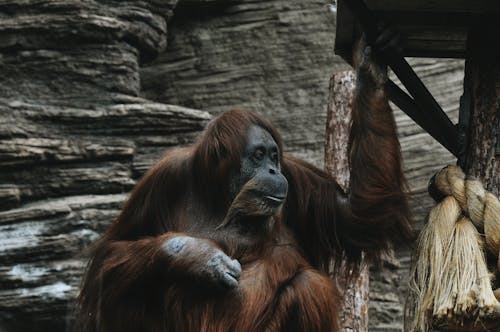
<point>74,138</point>
<point>274,57</point>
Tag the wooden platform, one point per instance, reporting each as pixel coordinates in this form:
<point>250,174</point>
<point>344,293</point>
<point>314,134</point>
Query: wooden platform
<point>430,28</point>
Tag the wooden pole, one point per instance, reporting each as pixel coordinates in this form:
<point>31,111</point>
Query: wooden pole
<point>482,82</point>
<point>354,309</point>
<point>480,109</point>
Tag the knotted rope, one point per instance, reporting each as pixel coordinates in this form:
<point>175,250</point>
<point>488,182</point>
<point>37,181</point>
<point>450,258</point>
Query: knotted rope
<point>451,284</point>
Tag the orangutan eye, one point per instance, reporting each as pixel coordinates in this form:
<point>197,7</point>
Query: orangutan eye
<point>274,157</point>
<point>259,154</point>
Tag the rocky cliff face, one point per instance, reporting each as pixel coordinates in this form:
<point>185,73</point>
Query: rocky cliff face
<point>274,57</point>
<point>87,95</point>
<point>74,137</point>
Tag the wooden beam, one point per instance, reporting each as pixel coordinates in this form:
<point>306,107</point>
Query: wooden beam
<point>423,99</point>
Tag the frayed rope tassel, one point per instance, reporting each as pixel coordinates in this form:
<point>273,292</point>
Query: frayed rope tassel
<point>451,284</point>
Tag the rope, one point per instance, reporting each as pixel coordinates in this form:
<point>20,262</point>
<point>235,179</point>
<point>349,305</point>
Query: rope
<point>481,206</point>
<point>451,284</point>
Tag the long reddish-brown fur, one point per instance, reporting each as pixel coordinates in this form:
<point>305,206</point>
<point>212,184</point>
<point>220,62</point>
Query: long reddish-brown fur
<point>131,285</point>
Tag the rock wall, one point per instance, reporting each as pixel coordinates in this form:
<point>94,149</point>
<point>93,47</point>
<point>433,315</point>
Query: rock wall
<point>87,89</point>
<point>74,138</point>
<point>274,57</point>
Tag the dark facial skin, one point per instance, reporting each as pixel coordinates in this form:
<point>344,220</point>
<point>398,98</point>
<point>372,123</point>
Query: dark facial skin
<point>259,192</point>
<point>260,170</point>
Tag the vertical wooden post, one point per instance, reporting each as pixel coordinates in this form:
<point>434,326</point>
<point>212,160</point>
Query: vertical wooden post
<point>480,118</point>
<point>482,78</point>
<point>354,310</point>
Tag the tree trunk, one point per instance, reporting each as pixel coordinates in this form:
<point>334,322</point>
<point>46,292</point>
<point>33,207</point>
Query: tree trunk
<point>354,309</point>
<point>482,84</point>
<point>482,80</point>
<point>482,93</point>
